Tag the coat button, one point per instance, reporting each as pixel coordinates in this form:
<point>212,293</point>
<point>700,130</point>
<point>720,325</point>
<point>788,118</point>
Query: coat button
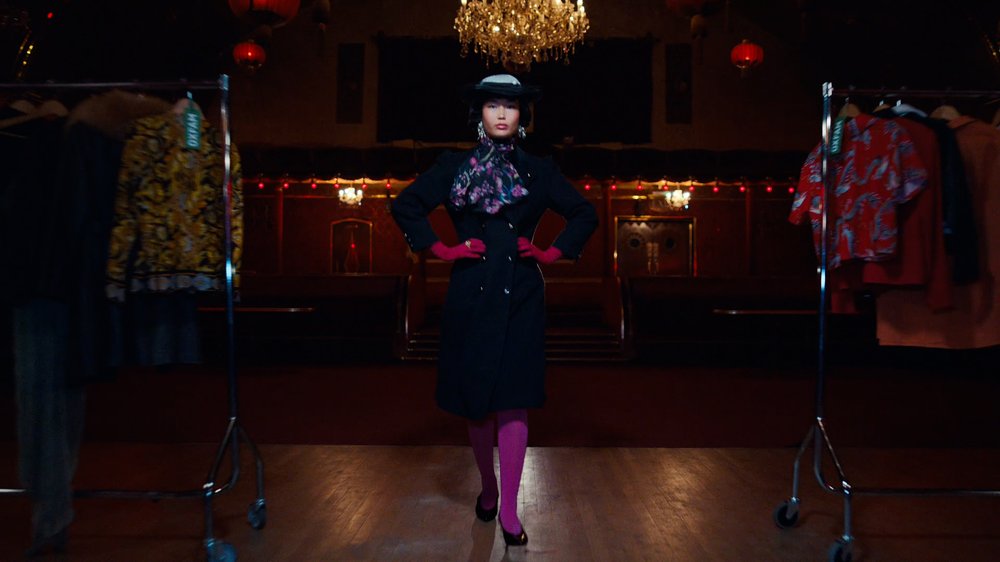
<point>506,290</point>
<point>480,288</point>
<point>483,258</point>
<point>510,226</point>
<point>509,258</point>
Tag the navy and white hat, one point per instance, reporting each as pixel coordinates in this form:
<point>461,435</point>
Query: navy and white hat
<point>499,86</point>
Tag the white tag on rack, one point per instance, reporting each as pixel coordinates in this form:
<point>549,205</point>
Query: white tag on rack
<point>192,126</point>
<point>837,136</point>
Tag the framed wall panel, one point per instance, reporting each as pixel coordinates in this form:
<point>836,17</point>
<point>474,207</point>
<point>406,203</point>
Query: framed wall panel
<point>350,247</point>
<point>654,246</point>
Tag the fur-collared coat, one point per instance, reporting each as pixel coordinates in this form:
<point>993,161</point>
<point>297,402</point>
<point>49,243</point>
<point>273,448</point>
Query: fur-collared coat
<point>493,326</point>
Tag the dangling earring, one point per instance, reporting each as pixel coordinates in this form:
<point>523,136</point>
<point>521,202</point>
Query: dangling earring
<point>481,130</point>
<point>521,133</point>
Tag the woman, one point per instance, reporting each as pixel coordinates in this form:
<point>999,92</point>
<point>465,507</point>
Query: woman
<point>492,357</point>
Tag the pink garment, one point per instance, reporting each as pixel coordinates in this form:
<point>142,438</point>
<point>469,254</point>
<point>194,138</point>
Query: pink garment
<point>528,250</point>
<point>512,440</point>
<point>903,316</point>
<point>481,437</point>
<point>471,249</point>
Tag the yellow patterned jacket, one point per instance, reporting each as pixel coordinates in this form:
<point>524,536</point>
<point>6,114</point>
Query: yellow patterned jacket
<point>169,231</point>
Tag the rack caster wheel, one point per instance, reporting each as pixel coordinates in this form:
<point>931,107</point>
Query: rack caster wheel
<point>220,551</point>
<point>786,515</point>
<point>257,514</point>
<point>839,551</point>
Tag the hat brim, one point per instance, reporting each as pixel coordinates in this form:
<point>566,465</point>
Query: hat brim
<point>481,92</point>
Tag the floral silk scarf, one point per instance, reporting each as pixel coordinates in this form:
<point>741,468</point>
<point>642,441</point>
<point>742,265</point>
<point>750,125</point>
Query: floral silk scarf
<point>488,180</point>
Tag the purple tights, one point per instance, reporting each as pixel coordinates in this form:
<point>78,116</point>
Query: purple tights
<point>512,439</point>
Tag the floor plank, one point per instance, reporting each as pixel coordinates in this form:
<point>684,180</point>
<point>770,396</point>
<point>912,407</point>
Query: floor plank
<point>603,504</point>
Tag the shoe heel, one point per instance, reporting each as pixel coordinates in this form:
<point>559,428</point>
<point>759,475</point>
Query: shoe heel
<point>485,514</point>
<point>514,540</point>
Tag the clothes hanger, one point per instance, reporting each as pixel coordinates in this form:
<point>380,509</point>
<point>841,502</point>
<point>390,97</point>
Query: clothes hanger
<point>180,106</point>
<point>900,108</point>
<point>112,112</point>
<point>945,112</point>
<point>47,110</point>
<point>51,108</point>
<point>849,109</point>
<point>184,103</point>
<point>22,105</point>
<point>12,121</point>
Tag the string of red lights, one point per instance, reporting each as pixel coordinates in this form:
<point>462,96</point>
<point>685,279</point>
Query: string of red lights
<point>767,185</point>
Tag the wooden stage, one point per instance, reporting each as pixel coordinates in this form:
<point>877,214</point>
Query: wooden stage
<point>345,502</point>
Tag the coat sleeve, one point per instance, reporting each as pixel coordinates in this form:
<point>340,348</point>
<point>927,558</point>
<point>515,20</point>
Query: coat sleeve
<point>580,215</point>
<point>412,206</point>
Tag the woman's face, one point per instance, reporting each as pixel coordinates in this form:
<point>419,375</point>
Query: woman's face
<point>501,118</point>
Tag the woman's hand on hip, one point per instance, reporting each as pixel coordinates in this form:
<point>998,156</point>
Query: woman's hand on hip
<point>473,248</point>
<point>528,250</point>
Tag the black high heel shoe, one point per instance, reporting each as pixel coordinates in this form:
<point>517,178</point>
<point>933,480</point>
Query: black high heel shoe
<point>486,514</point>
<point>514,540</point>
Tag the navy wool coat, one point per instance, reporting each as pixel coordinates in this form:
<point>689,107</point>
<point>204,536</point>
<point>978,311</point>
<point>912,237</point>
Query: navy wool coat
<point>493,324</point>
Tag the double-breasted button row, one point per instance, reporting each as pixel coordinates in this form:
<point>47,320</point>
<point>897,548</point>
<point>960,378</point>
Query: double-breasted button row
<point>506,290</point>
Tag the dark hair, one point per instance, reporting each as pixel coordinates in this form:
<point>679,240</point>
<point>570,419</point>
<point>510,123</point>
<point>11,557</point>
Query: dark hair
<point>476,111</point>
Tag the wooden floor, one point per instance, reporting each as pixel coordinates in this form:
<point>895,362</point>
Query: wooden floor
<point>577,504</point>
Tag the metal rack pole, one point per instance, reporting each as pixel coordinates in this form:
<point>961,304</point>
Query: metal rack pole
<point>786,514</point>
<point>216,551</point>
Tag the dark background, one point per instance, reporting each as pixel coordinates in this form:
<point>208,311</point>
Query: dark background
<point>881,43</point>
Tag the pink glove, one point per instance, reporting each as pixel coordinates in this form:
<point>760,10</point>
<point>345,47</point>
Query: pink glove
<point>528,250</point>
<point>470,249</point>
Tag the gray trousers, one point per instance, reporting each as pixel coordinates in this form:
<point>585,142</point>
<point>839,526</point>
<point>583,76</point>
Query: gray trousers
<point>50,413</point>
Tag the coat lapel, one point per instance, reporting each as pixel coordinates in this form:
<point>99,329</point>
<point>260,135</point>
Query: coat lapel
<point>526,167</point>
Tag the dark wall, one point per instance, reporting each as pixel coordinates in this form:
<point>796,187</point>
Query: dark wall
<point>605,96</point>
<point>726,244</point>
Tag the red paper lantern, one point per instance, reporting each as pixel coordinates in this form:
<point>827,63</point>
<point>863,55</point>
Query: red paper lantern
<point>249,55</point>
<point>746,55</point>
<point>274,13</point>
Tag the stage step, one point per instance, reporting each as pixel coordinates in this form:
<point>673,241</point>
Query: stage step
<point>559,346</point>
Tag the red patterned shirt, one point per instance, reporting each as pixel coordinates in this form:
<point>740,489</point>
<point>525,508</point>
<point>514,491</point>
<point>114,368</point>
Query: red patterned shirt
<point>876,170</point>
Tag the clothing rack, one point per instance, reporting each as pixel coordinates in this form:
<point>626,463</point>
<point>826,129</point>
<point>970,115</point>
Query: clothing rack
<point>216,550</point>
<point>786,514</point>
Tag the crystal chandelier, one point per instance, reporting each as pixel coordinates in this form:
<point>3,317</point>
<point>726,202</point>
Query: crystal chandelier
<point>516,33</point>
<point>674,199</point>
<point>678,199</point>
<point>350,195</point>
